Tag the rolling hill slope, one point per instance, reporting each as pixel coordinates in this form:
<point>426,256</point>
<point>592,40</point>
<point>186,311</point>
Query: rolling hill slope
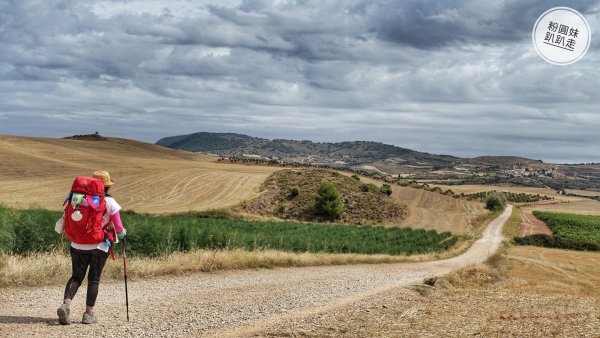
<point>150,178</point>
<point>154,179</point>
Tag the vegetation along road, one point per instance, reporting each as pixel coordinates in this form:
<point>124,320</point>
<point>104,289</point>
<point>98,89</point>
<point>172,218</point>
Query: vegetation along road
<point>228,303</point>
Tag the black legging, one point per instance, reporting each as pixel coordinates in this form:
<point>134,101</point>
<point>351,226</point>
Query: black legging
<point>80,260</point>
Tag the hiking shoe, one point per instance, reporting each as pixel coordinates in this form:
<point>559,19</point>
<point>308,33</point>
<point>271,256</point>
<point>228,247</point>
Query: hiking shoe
<point>89,318</point>
<point>63,314</point>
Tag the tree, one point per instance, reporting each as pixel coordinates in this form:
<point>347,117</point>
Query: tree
<point>495,201</point>
<point>328,201</point>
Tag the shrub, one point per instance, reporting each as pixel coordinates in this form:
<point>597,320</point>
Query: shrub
<point>328,202</point>
<point>430,280</point>
<point>369,187</point>
<point>495,202</point>
<point>281,208</point>
<point>356,177</point>
<point>294,192</point>
<point>386,189</point>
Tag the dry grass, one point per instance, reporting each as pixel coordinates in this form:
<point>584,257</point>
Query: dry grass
<point>55,268</point>
<point>511,227</point>
<point>529,292</point>
<point>150,179</point>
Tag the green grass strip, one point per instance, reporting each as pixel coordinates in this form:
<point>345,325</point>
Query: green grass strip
<point>26,231</point>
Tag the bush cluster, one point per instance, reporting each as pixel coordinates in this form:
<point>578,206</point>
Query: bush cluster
<point>556,242</point>
<point>370,187</point>
<point>510,196</point>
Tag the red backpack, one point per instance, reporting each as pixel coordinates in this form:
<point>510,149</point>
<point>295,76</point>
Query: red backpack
<point>84,209</point>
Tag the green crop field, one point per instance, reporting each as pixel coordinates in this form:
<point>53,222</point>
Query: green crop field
<point>26,231</point>
<point>574,227</point>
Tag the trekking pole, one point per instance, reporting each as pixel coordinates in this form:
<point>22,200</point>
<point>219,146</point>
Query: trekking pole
<point>125,274</point>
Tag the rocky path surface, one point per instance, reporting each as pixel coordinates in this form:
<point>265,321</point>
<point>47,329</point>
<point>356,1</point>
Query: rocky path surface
<point>230,303</point>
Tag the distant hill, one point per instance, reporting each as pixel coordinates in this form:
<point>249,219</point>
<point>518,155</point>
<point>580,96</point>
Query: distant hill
<point>342,154</point>
<point>503,161</point>
<point>385,160</point>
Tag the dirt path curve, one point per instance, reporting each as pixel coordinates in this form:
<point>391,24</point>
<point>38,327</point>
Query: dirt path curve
<point>530,225</point>
<point>230,303</point>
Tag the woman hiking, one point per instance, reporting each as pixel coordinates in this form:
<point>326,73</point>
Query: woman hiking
<point>90,255</point>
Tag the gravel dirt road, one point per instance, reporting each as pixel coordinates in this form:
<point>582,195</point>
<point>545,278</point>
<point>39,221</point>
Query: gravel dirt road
<point>231,303</point>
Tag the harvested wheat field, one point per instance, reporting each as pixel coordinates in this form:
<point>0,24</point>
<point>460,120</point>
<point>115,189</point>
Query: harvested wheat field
<point>431,210</point>
<point>150,178</point>
<point>585,207</point>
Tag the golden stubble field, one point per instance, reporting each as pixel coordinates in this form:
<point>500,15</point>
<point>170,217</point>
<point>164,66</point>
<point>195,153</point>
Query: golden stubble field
<point>151,179</point>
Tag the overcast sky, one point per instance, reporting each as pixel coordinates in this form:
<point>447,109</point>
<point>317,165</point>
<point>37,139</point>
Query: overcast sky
<point>452,77</point>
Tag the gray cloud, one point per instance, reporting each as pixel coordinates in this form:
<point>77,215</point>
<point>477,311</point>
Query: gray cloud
<point>447,77</point>
<point>433,24</point>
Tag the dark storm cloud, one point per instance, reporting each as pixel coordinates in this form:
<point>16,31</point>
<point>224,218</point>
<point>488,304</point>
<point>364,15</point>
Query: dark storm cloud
<point>458,77</point>
<point>437,24</point>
